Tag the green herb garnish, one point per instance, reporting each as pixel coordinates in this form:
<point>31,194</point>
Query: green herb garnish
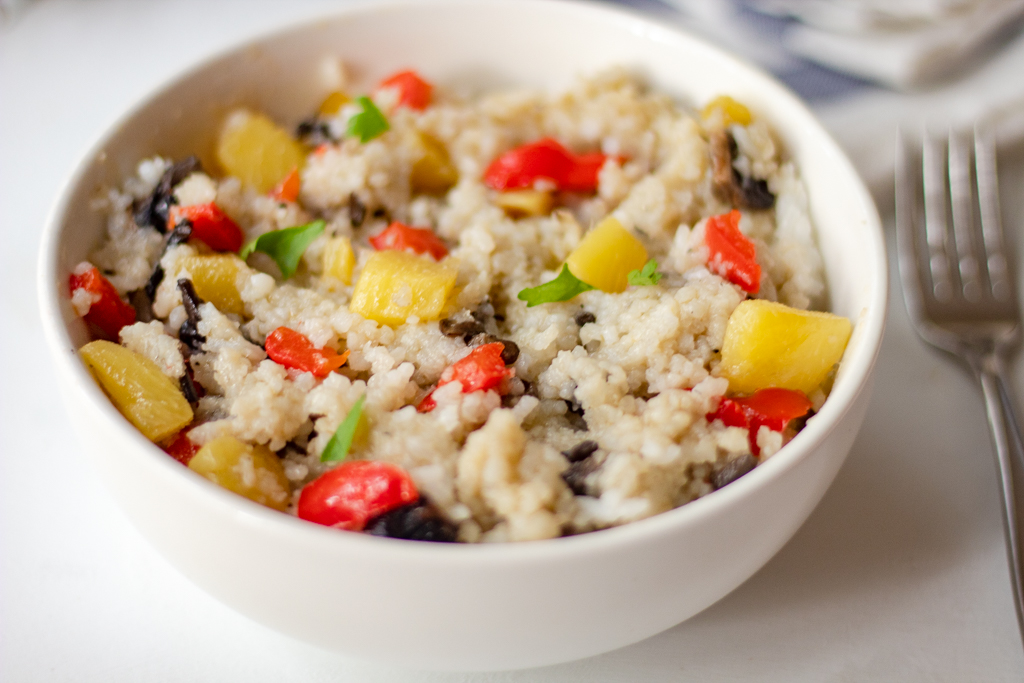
<point>648,276</point>
<point>562,288</point>
<point>367,124</point>
<point>285,246</point>
<point>337,447</point>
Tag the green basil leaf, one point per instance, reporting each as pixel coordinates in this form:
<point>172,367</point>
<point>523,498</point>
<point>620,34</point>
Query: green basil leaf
<point>337,447</point>
<point>648,276</point>
<point>285,246</point>
<point>369,123</point>
<point>562,288</point>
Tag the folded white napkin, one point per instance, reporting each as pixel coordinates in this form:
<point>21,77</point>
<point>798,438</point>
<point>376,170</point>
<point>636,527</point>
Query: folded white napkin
<point>900,44</point>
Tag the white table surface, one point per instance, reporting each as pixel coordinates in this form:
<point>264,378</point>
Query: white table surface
<point>899,575</point>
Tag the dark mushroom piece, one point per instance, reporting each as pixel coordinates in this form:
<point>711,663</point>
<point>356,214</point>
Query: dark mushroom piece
<point>580,451</point>
<point>461,328</point>
<point>574,415</point>
<point>509,351</point>
<point>732,470</point>
<point>313,132</point>
<point>419,521</point>
<point>582,466</point>
<point>585,317</point>
<point>356,211</point>
<point>730,185</point>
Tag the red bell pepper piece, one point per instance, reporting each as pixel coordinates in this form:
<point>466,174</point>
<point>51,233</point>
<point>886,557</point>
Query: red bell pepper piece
<point>108,313</point>
<point>521,167</point>
<point>582,175</point>
<point>211,225</point>
<point>481,370</point>
<point>413,91</point>
<point>182,448</point>
<point>355,492</point>
<point>730,253</point>
<point>288,189</point>
<point>294,350</point>
<point>773,407</point>
<point>730,413</point>
<point>547,160</point>
<point>400,237</point>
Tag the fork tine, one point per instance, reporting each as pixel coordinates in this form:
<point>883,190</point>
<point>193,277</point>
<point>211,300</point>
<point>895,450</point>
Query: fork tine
<point>934,176</point>
<point>961,196</point>
<point>999,275</point>
<point>908,227</point>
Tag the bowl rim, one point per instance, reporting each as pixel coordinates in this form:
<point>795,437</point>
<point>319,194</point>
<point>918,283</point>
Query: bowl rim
<point>857,366</point>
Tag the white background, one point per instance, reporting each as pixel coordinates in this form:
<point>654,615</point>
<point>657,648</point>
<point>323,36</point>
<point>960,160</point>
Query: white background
<point>899,575</point>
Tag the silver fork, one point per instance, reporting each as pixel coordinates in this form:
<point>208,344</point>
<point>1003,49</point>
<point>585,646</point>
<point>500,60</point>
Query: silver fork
<point>960,291</point>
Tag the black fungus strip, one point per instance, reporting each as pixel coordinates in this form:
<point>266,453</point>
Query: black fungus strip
<point>575,477</point>
<point>356,211</point>
<point>181,233</point>
<point>188,388</point>
<point>509,351</point>
<point>190,335</point>
<point>733,470</point>
<point>155,209</point>
<point>461,328</point>
<point>142,303</point>
<point>728,183</point>
<point>181,170</point>
<point>154,281</point>
<point>419,521</point>
<point>755,193</point>
<point>797,424</point>
<point>585,317</point>
<point>142,212</point>
<point>575,416</point>
<point>313,132</point>
<point>747,193</point>
<point>190,299</point>
<point>189,332</point>
<point>581,451</point>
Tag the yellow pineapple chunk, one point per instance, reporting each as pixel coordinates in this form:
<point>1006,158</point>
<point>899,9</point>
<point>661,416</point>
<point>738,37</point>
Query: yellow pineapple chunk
<point>257,151</point>
<point>605,256</point>
<point>147,397</point>
<point>724,111</point>
<point>215,277</point>
<point>251,471</point>
<point>523,203</point>
<point>433,172</point>
<point>395,285</point>
<point>333,103</point>
<point>338,260</point>
<point>768,344</point>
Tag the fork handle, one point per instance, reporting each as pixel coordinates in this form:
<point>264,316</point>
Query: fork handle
<point>1009,407</point>
<point>1001,420</point>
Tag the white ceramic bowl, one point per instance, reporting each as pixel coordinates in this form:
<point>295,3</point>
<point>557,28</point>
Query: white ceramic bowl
<point>467,607</point>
